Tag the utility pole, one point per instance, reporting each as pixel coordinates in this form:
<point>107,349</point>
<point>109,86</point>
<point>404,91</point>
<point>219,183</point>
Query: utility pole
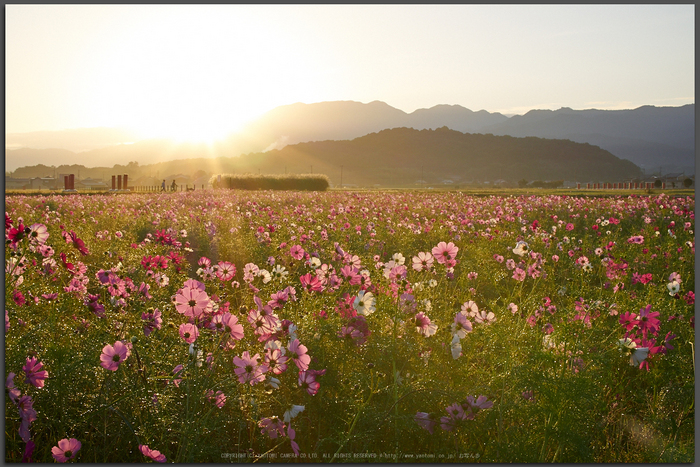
<point>341,176</point>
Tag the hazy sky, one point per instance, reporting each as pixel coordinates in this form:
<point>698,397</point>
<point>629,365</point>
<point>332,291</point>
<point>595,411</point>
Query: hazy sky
<point>200,71</point>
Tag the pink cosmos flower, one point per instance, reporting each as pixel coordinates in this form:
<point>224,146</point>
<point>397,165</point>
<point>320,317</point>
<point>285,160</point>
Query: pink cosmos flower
<point>480,403</point>
<point>219,399</point>
<point>152,321</point>
<point>307,380</point>
<point>33,370</point>
<point>461,325</point>
<point>424,325</point>
<point>152,453</point>
<point>298,353</point>
<point>273,427</point>
<point>113,356</point>
<point>455,415</point>
<point>638,239</point>
<point>66,449</point>
<point>77,243</point>
<point>513,308</point>
<point>176,371</point>
<point>444,252</point>
<point>519,274</point>
<point>226,271</point>
<point>248,369</point>
<point>12,390</point>
<point>192,302</point>
<point>275,360</point>
<point>297,252</point>
<point>311,283</point>
<point>189,332</point>
<point>422,261</point>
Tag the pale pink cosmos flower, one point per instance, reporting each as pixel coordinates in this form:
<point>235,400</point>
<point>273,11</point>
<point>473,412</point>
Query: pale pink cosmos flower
<point>424,260</point>
<point>33,370</point>
<point>513,308</point>
<point>66,450</point>
<point>189,332</point>
<point>152,453</point>
<point>444,252</point>
<point>485,317</point>
<point>469,309</point>
<point>113,356</point>
<point>192,302</point>
<point>38,233</point>
<point>10,385</point>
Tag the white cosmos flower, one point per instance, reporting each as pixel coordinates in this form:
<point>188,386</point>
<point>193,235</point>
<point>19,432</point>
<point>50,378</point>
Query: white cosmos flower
<point>432,283</point>
<point>293,412</point>
<point>314,262</point>
<point>520,248</point>
<point>639,355</point>
<point>673,288</point>
<point>364,303</point>
<point>267,277</point>
<point>398,258</point>
<point>273,382</point>
<point>279,272</point>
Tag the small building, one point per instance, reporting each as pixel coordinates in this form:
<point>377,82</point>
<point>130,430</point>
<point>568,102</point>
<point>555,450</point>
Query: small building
<point>17,183</point>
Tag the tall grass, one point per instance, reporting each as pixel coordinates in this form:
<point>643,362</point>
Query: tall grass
<point>301,182</point>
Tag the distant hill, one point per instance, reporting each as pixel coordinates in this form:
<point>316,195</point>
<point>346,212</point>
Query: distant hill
<point>649,136</point>
<point>402,156</point>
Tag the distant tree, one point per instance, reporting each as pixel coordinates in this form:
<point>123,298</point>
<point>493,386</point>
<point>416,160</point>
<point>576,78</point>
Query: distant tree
<point>522,183</point>
<point>687,182</point>
<point>657,183</point>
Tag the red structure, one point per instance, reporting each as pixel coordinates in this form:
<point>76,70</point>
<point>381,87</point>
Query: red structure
<point>126,179</point>
<point>119,182</point>
<point>71,182</point>
<point>114,182</point>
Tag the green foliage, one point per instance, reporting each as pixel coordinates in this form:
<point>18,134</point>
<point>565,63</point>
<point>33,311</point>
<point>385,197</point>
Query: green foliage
<point>302,182</point>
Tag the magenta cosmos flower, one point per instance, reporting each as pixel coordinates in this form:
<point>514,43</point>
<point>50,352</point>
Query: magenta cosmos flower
<point>445,252</point>
<point>113,356</point>
<point>66,449</point>
<point>192,302</point>
<point>189,332</point>
<point>34,372</point>
<point>307,381</point>
<point>152,453</point>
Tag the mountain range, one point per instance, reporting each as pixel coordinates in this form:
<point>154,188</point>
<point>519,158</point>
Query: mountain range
<point>397,157</point>
<point>654,138</point>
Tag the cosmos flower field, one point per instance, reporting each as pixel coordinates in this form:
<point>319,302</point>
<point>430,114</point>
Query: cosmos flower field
<point>232,326</point>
